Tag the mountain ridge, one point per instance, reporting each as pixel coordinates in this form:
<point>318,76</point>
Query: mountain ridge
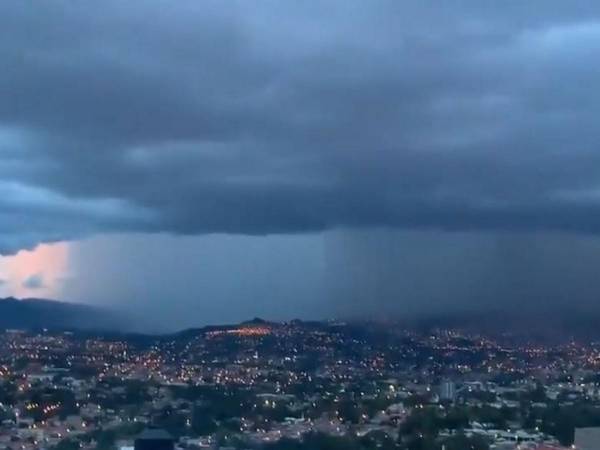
<point>550,324</point>
<point>38,313</point>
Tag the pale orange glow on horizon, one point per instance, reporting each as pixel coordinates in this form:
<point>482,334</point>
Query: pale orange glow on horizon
<point>48,261</point>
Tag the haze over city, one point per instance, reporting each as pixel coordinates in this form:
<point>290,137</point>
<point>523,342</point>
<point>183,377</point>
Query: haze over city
<point>204,162</point>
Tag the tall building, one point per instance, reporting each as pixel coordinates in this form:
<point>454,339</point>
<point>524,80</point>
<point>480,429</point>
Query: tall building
<point>587,438</point>
<point>154,439</point>
<point>448,391</point>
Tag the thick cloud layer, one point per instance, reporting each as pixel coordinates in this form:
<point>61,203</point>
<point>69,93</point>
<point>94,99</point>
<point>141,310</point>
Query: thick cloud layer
<point>279,117</point>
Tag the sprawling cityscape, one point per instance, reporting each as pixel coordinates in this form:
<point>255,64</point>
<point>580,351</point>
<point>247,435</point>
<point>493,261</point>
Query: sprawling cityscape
<point>297,385</point>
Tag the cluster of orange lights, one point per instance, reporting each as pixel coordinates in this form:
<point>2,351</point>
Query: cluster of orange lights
<point>246,331</point>
<point>46,409</point>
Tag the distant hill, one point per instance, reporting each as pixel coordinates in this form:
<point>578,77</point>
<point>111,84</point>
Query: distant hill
<point>39,313</point>
<point>551,324</point>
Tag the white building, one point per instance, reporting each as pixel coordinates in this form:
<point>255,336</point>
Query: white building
<point>587,438</point>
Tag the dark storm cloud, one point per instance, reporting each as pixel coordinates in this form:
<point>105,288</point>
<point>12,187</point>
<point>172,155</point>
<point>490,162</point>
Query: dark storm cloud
<point>276,117</point>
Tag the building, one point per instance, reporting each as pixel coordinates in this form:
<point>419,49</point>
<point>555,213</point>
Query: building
<point>448,391</point>
<point>587,438</point>
<point>154,439</point>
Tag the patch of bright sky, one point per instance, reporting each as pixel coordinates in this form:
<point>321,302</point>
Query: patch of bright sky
<point>47,262</point>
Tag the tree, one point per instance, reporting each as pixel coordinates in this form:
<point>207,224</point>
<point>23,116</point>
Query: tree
<point>420,442</point>
<point>203,422</point>
<point>105,440</point>
<point>67,444</point>
<point>462,442</point>
<point>457,418</point>
<point>423,422</point>
<point>560,424</point>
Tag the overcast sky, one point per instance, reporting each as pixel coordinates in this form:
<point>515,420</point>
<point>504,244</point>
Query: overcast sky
<point>300,159</point>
